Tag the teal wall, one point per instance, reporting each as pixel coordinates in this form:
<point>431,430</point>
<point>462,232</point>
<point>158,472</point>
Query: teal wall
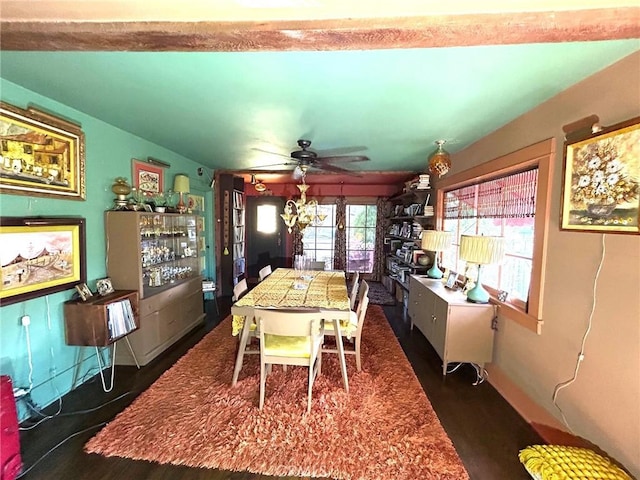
<point>109,151</point>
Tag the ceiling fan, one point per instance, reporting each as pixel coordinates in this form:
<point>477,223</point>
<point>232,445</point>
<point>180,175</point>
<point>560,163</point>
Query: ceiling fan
<point>305,159</point>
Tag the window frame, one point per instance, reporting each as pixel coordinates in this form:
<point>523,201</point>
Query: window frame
<point>330,224</point>
<point>541,155</point>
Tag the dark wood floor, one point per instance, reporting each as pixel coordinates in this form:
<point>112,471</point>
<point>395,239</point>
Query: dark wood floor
<point>486,431</point>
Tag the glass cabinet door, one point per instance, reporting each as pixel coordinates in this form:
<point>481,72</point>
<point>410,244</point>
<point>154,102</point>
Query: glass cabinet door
<point>168,249</point>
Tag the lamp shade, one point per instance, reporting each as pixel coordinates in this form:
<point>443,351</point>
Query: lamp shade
<point>181,184</point>
<point>436,240</point>
<point>481,250</point>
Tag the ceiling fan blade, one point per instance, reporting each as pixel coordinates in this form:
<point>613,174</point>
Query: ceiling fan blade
<point>271,153</point>
<point>331,152</point>
<point>281,164</point>
<point>328,167</point>
<point>344,158</point>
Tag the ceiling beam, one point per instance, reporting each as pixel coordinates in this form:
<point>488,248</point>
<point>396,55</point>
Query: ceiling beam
<point>457,30</point>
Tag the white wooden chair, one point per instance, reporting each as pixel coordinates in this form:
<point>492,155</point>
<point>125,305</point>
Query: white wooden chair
<point>240,289</point>
<point>353,295</point>
<point>357,320</point>
<point>264,272</point>
<point>289,337</point>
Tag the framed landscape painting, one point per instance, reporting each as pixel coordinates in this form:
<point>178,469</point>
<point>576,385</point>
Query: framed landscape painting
<point>40,154</point>
<point>601,186</point>
<point>40,256</point>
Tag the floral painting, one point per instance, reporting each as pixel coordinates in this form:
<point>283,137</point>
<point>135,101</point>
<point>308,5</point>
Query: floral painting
<point>601,190</point>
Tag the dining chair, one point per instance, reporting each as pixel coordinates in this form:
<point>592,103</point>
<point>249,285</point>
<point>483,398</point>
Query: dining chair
<point>356,319</point>
<point>353,295</point>
<point>317,265</point>
<point>289,337</point>
<point>264,272</point>
<point>240,289</point>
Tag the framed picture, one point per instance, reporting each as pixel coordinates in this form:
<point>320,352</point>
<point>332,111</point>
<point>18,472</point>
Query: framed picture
<point>40,154</point>
<point>196,203</point>
<point>148,179</point>
<point>84,292</point>
<point>104,286</point>
<point>601,185</point>
<point>451,280</point>
<point>40,256</point>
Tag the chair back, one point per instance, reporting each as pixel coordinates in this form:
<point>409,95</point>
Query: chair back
<point>289,323</point>
<point>264,272</point>
<point>363,303</point>
<point>316,265</point>
<point>240,289</point>
<point>353,295</point>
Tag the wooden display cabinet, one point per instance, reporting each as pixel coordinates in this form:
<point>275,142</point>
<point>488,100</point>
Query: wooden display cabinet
<point>88,323</point>
<point>156,254</point>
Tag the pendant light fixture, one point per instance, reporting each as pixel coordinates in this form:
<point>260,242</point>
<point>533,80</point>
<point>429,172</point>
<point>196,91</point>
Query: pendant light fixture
<point>440,160</point>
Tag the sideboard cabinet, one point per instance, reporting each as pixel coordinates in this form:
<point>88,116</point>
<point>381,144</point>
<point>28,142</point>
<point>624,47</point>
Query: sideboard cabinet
<point>157,255</point>
<point>458,330</point>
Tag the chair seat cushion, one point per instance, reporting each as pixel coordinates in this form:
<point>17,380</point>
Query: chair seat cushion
<point>283,346</point>
<point>556,462</point>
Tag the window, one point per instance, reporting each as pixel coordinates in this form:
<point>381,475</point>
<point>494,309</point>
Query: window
<point>361,237</point>
<point>507,196</point>
<point>503,207</point>
<point>267,218</point>
<point>319,241</point>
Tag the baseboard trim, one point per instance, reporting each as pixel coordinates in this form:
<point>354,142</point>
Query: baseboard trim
<point>520,401</point>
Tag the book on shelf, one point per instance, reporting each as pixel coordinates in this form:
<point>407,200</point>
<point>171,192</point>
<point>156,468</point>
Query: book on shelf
<point>121,319</point>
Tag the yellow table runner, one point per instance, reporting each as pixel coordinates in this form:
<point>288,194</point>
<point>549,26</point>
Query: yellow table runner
<point>322,289</point>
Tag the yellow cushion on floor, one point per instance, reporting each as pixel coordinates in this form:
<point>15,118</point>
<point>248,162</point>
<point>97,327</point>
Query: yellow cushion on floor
<point>556,462</point>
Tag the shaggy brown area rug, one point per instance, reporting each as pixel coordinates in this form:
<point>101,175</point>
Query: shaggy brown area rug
<point>384,428</point>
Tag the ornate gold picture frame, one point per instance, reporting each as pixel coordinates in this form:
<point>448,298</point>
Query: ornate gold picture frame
<point>601,186</point>
<point>40,154</point>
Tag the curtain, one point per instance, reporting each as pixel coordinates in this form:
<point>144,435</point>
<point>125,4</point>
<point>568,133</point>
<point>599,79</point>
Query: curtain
<point>340,260</point>
<point>383,207</point>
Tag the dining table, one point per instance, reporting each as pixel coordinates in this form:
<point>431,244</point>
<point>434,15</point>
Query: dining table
<point>306,290</point>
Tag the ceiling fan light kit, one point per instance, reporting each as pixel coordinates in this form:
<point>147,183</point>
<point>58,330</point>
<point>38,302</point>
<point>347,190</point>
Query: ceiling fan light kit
<point>440,160</point>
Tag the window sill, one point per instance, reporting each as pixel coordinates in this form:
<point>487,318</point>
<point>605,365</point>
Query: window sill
<point>523,319</point>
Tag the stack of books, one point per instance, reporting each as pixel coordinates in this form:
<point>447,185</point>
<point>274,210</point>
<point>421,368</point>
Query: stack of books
<point>423,182</point>
<point>428,211</point>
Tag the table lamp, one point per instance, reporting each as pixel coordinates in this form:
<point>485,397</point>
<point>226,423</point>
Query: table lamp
<point>181,186</point>
<point>435,241</point>
<point>480,250</point>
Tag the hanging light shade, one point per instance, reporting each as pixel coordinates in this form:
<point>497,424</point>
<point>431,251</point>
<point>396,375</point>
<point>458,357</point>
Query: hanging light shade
<point>440,160</point>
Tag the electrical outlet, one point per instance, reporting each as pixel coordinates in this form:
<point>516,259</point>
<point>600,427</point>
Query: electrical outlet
<point>19,392</point>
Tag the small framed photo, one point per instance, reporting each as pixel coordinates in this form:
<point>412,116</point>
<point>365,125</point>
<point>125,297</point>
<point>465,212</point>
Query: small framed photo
<point>104,286</point>
<point>84,292</point>
<point>451,280</point>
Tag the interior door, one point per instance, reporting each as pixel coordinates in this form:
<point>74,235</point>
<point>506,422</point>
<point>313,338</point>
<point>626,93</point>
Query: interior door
<point>264,234</point>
